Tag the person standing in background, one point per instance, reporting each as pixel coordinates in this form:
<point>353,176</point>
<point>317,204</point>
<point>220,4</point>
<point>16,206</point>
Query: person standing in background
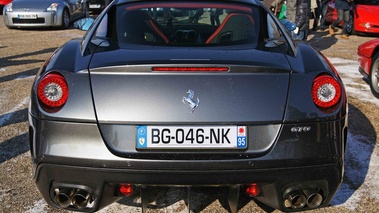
<point>276,7</point>
<point>291,10</point>
<point>282,14</point>
<point>316,10</point>
<point>302,20</point>
<point>324,10</point>
<point>214,16</point>
<point>343,11</point>
<point>195,16</point>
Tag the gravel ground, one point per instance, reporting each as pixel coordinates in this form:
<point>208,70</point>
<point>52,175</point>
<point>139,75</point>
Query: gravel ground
<point>22,52</point>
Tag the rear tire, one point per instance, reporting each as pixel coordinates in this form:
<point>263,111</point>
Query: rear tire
<point>65,19</point>
<point>374,75</point>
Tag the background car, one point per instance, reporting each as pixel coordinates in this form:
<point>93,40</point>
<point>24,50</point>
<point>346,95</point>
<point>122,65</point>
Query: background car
<point>363,16</point>
<point>97,5</point>
<point>44,13</point>
<point>368,59</point>
<point>144,101</point>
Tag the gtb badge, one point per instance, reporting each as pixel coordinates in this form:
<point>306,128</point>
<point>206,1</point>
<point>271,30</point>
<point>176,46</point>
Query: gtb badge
<point>190,100</point>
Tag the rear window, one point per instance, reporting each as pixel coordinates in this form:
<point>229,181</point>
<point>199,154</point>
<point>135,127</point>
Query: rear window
<point>187,24</point>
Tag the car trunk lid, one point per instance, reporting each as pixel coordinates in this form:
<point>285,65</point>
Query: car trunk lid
<point>254,89</point>
<point>130,97</point>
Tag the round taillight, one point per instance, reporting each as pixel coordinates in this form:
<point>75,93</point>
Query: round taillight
<point>52,91</point>
<point>326,91</point>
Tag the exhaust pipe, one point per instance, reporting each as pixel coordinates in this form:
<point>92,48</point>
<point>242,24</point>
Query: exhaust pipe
<point>295,200</point>
<point>81,199</point>
<point>314,199</point>
<point>63,197</point>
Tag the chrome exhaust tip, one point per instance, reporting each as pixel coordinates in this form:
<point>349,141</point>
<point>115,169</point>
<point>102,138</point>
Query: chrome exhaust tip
<point>63,197</point>
<point>80,199</point>
<point>314,199</point>
<point>295,200</point>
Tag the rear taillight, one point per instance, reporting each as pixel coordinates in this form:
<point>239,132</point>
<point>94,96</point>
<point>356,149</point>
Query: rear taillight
<point>326,91</point>
<point>52,92</point>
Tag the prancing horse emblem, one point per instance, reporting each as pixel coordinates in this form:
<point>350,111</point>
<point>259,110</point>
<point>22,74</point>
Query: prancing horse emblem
<point>190,101</point>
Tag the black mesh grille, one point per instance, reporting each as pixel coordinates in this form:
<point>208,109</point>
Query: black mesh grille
<point>28,21</point>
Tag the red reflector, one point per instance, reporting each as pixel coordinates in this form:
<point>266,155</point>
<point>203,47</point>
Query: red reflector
<point>192,69</point>
<point>326,91</point>
<point>126,190</point>
<point>253,190</point>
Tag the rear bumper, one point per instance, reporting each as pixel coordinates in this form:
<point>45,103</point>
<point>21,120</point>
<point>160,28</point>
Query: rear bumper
<point>275,184</point>
<point>65,159</point>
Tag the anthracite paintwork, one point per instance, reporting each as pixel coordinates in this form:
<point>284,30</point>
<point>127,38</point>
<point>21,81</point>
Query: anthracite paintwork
<point>91,141</point>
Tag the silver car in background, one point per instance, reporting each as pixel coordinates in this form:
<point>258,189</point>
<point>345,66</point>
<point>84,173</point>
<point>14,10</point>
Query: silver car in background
<point>44,13</point>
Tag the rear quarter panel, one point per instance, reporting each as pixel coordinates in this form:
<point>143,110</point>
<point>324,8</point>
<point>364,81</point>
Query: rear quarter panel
<point>306,65</point>
<point>68,61</point>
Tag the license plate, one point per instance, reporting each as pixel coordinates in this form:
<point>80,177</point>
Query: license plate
<point>94,6</point>
<point>186,137</point>
<point>27,16</point>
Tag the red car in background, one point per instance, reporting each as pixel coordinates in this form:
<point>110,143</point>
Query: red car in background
<point>368,59</point>
<point>3,3</point>
<point>363,16</point>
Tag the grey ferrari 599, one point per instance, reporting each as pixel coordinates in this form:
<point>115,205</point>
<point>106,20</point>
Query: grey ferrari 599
<point>187,94</point>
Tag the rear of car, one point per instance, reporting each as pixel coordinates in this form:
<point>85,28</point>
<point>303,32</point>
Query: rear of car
<point>156,99</point>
